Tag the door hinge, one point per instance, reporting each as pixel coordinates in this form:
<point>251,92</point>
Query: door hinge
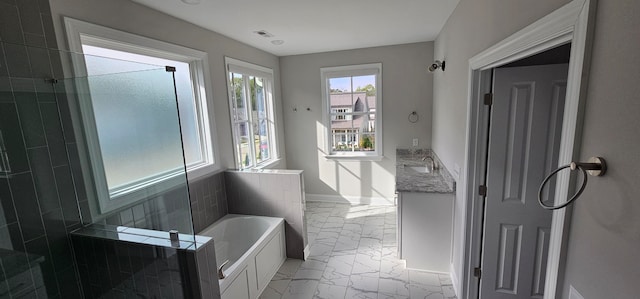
<point>482,190</point>
<point>477,272</point>
<point>488,99</point>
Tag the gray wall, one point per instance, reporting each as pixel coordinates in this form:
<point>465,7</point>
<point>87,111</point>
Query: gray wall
<point>603,245</point>
<point>604,242</point>
<point>134,18</point>
<point>407,86</point>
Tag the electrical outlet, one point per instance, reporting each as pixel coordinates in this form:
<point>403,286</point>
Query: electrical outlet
<point>415,141</point>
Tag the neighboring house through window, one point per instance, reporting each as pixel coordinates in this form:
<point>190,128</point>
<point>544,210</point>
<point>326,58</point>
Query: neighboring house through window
<point>252,113</point>
<point>120,168</point>
<point>351,100</point>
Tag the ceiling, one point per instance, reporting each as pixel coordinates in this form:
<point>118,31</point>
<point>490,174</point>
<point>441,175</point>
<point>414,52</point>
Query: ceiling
<point>308,26</point>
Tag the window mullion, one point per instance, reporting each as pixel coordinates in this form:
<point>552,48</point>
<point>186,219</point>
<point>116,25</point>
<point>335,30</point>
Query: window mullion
<point>248,104</point>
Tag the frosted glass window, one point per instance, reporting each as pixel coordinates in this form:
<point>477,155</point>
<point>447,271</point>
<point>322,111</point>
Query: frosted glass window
<point>137,124</point>
<point>122,62</point>
<point>144,136</point>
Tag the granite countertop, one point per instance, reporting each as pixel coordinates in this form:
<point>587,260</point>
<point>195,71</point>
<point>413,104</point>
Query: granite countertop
<point>408,180</point>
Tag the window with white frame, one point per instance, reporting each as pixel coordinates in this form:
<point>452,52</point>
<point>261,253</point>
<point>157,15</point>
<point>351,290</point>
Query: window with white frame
<point>252,113</point>
<point>119,181</point>
<point>352,101</point>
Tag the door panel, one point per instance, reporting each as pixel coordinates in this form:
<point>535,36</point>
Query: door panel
<point>526,118</point>
<point>540,264</point>
<point>516,142</point>
<point>508,261</point>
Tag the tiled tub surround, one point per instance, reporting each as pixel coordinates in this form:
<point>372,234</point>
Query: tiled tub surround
<point>274,193</point>
<point>166,211</point>
<point>353,255</point>
<point>251,248</point>
<point>407,180</point>
<point>121,262</point>
<point>208,199</point>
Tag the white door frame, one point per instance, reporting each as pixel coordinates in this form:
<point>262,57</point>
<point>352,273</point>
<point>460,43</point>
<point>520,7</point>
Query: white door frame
<point>572,23</point>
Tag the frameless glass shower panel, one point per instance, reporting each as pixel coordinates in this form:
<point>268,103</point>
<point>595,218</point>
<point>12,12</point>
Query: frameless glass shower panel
<point>132,143</point>
<point>37,196</point>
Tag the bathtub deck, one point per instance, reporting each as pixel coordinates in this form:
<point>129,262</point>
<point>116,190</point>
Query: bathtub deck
<point>353,255</point>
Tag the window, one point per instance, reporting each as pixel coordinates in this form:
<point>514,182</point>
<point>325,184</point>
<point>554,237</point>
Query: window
<point>340,114</point>
<point>352,101</point>
<point>252,114</point>
<point>121,173</point>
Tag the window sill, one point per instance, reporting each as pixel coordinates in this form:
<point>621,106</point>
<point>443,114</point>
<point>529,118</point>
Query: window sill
<point>266,165</point>
<point>354,158</point>
<point>202,171</point>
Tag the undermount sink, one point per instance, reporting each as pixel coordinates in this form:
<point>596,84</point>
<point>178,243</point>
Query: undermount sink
<point>419,169</point>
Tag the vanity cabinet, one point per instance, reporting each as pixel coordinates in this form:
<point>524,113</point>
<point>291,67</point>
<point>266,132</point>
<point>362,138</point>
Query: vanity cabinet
<point>425,229</point>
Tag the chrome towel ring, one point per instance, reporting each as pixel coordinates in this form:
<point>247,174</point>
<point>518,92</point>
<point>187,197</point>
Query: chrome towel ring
<point>413,117</point>
<point>595,167</point>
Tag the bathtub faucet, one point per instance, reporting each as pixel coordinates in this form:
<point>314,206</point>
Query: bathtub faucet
<point>220,272</point>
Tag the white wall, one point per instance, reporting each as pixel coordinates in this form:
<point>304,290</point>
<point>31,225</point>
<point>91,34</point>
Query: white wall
<point>134,18</point>
<point>407,86</point>
<point>603,246</point>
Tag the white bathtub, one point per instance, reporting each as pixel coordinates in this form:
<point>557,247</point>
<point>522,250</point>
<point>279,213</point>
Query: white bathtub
<point>255,248</point>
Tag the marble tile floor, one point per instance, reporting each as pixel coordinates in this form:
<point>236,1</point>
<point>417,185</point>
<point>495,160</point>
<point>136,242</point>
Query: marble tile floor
<point>353,255</point>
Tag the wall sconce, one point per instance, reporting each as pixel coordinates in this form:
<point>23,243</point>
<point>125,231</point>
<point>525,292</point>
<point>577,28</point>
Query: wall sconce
<point>436,65</point>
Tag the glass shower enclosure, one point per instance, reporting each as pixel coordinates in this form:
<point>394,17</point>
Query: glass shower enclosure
<point>91,165</point>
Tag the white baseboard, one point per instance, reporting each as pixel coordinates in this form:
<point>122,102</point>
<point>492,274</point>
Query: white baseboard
<point>306,252</point>
<point>455,281</point>
<point>353,200</point>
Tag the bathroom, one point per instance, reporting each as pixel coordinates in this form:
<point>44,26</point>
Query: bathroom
<point>340,234</point>
<point>54,193</point>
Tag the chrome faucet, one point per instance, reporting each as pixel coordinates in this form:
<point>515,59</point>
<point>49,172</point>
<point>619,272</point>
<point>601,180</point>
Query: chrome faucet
<point>434,165</point>
<point>220,273</point>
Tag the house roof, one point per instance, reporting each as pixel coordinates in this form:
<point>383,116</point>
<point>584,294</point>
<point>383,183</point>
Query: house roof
<point>344,99</point>
<point>347,124</point>
<point>371,102</point>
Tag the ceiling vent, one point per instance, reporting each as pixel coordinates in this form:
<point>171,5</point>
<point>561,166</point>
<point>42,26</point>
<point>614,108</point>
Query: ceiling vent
<point>263,33</point>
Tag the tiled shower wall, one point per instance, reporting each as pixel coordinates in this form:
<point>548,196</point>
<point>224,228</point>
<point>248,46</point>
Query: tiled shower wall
<point>43,198</point>
<point>38,198</point>
<point>135,263</point>
<point>208,203</point>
